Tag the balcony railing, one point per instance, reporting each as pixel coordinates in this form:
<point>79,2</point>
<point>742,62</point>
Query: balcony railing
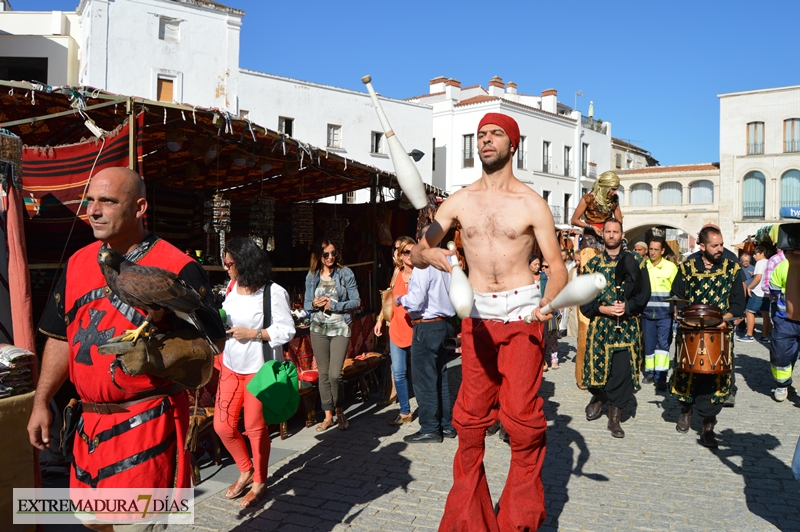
<point>560,214</point>
<point>753,209</point>
<point>546,165</point>
<point>594,125</point>
<point>592,172</point>
<point>521,160</point>
<point>467,159</point>
<point>567,168</point>
<point>755,149</point>
<point>791,146</point>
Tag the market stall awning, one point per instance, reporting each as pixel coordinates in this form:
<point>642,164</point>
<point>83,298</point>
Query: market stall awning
<point>185,148</point>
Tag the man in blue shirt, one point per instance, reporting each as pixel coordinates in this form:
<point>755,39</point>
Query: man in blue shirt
<point>428,305</point>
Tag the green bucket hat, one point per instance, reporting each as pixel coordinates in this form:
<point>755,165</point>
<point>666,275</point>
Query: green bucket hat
<point>276,386</point>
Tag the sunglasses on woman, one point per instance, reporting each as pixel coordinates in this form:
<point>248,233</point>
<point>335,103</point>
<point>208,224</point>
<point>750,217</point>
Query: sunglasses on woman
<point>228,264</point>
<point>330,254</point>
<point>545,266</point>
<point>406,252</point>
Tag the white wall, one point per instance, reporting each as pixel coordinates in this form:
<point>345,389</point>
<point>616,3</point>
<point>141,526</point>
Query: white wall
<point>771,106</point>
<point>122,53</point>
<point>52,35</point>
<point>314,106</point>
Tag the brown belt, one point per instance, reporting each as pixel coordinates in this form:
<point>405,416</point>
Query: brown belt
<point>119,408</point>
<point>427,320</point>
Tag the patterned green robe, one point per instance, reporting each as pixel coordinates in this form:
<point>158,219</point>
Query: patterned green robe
<point>602,339</point>
<point>705,287</point>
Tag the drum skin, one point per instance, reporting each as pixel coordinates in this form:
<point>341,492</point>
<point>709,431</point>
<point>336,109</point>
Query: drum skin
<point>700,316</point>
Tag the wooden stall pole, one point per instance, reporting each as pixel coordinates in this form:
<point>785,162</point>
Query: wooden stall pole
<point>131,134</point>
<point>373,288</point>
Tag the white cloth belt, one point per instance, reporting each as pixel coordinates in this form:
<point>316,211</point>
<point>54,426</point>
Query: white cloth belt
<point>511,305</point>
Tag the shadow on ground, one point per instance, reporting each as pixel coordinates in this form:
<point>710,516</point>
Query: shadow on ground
<point>561,461</point>
<point>332,482</point>
<point>768,482</point>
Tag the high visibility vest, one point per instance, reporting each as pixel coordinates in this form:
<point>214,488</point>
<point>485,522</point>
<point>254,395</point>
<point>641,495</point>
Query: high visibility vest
<point>661,278</point>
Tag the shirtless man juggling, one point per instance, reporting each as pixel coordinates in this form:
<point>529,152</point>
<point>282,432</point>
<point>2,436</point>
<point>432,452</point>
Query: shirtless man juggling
<point>501,360</point>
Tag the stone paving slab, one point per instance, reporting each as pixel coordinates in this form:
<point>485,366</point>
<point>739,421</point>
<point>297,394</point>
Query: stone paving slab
<point>368,479</point>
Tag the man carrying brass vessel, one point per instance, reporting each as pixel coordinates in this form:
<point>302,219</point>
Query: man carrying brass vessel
<point>501,354</point>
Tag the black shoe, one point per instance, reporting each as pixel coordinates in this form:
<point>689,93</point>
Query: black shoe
<point>449,433</point>
<point>647,379</point>
<point>730,401</point>
<point>420,437</point>
<point>661,386</point>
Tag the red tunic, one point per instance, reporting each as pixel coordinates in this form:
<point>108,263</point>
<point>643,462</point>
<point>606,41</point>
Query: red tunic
<point>142,448</point>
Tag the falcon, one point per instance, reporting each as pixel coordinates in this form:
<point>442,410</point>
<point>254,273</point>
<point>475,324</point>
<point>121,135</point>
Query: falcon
<point>150,289</point>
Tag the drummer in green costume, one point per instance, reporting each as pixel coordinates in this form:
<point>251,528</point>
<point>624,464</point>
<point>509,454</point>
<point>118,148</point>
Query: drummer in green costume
<point>708,279</point>
<point>614,341</point>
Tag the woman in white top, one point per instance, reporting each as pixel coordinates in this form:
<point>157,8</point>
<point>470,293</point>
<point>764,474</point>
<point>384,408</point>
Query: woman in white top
<point>249,269</point>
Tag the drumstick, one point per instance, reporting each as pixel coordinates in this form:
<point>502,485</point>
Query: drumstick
<point>407,174</point>
<point>579,291</point>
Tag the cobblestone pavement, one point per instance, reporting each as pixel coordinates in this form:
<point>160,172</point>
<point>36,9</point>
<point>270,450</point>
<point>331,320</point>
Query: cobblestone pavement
<point>655,478</point>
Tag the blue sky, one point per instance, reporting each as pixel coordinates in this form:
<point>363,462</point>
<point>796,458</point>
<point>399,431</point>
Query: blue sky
<point>653,69</point>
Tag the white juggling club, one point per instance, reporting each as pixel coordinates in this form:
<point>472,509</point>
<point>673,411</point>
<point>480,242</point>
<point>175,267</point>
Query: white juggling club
<point>579,291</point>
<point>461,293</point>
<point>407,174</point>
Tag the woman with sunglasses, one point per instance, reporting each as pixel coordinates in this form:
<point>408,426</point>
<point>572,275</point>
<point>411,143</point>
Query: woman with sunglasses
<point>331,297</point>
<point>400,329</point>
<point>539,269</point>
<point>249,269</point>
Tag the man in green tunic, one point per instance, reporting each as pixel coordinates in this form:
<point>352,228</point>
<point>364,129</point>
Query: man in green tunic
<point>708,279</point>
<point>614,341</point>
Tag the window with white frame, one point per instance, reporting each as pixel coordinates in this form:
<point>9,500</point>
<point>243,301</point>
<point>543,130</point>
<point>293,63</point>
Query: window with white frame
<point>286,126</point>
<point>753,189</point>
<point>641,194</point>
<point>621,195</point>
<point>545,157</point>
<point>701,192</point>
<point>567,161</point>
<point>468,152</point>
<point>791,135</point>
<point>790,189</point>
<point>670,193</point>
<point>755,138</point>
<point>376,145</point>
<point>334,136</point>
<point>584,159</point>
<point>521,154</point>
<point>350,197</point>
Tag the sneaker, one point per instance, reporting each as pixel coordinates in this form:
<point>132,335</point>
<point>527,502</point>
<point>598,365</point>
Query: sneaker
<point>647,379</point>
<point>745,338</point>
<point>780,394</point>
<point>765,339</point>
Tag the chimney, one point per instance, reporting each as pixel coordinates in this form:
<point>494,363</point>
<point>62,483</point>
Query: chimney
<point>497,87</point>
<point>437,84</point>
<point>511,87</point>
<point>550,101</point>
<point>452,89</point>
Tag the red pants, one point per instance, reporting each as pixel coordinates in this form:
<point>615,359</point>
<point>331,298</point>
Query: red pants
<point>501,363</point>
<point>231,396</point>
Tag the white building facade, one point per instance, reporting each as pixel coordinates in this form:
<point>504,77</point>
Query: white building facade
<point>560,152</point>
<point>187,51</point>
<point>759,144</point>
<point>681,197</point>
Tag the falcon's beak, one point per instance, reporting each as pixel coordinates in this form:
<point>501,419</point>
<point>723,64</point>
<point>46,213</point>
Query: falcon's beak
<point>103,257</point>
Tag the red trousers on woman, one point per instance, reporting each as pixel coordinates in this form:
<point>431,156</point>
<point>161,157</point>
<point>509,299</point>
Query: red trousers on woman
<point>501,365</point>
<point>231,397</point>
